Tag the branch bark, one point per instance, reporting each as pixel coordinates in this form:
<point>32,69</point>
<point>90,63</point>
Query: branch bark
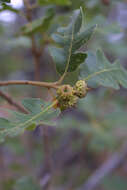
<point>37,54</point>
<point>33,83</point>
<point>12,102</point>
<point>35,51</point>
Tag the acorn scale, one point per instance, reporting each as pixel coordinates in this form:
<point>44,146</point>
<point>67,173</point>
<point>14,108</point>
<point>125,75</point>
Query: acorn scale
<point>66,98</point>
<point>80,89</point>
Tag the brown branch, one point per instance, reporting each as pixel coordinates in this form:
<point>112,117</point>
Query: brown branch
<point>35,51</point>
<point>32,6</point>
<point>36,55</point>
<point>12,102</point>
<point>33,83</point>
<point>105,2</point>
<point>26,3</point>
<point>111,164</point>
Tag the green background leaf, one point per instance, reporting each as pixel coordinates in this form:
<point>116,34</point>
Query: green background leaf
<point>39,25</point>
<point>115,183</point>
<point>99,71</point>
<point>26,183</point>
<point>40,112</point>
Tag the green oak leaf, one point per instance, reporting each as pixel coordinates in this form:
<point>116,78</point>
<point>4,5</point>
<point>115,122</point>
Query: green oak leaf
<point>5,1</point>
<point>5,7</point>
<point>39,113</point>
<point>67,54</point>
<point>98,71</point>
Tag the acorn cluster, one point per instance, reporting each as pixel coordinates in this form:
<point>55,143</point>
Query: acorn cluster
<point>67,96</point>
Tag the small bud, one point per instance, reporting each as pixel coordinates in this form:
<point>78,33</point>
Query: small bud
<point>80,89</point>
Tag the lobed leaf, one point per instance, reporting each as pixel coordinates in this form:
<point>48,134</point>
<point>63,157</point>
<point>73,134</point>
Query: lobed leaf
<point>5,7</point>
<point>99,71</point>
<point>67,55</point>
<point>40,112</point>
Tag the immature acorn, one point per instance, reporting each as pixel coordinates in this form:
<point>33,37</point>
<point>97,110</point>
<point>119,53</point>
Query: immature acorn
<point>80,89</point>
<point>66,98</point>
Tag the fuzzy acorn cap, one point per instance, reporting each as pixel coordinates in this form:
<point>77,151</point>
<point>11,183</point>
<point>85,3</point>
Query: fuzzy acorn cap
<point>66,98</point>
<point>65,91</point>
<point>80,88</point>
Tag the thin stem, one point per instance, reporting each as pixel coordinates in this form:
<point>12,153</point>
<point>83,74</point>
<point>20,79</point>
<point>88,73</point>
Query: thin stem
<point>12,102</point>
<point>51,93</point>
<point>33,83</point>
<point>35,51</point>
<point>26,3</point>
<point>36,55</point>
<point>30,7</point>
<point>33,6</point>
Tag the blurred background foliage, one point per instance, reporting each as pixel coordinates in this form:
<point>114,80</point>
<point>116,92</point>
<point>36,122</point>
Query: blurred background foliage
<point>85,136</point>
